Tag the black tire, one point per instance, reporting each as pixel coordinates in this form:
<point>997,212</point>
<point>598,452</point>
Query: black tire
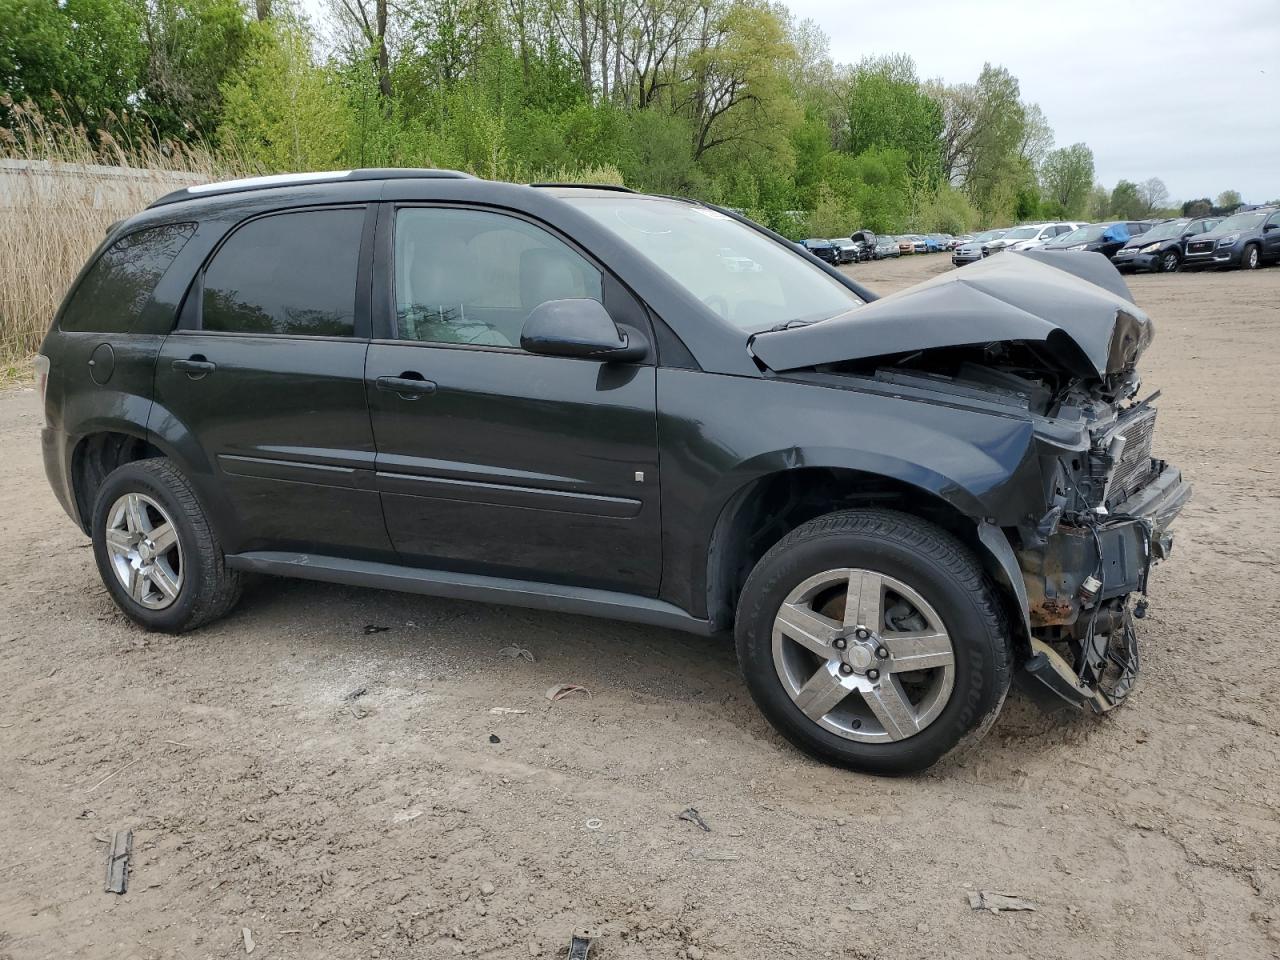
<point>1170,261</point>
<point>928,560</point>
<point>209,588</point>
<point>1251,258</point>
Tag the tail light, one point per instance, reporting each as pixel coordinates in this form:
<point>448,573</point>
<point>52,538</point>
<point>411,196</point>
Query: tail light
<point>42,375</point>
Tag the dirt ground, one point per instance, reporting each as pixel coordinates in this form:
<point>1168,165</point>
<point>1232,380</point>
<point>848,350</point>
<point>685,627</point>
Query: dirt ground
<point>411,821</point>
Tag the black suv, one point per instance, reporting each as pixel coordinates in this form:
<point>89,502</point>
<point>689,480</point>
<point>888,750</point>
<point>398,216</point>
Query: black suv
<point>573,398</point>
<point>1103,238</point>
<point>1163,246</point>
<point>1246,240</point>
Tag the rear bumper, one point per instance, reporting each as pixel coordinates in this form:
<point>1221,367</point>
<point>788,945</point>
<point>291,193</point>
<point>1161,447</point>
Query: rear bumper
<point>54,451</point>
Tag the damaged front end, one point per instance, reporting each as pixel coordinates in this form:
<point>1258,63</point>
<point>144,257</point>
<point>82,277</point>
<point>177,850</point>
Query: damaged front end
<point>1110,504</point>
<point>1053,339</point>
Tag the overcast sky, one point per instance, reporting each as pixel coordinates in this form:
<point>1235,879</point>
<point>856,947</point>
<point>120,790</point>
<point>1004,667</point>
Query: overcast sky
<point>1185,91</point>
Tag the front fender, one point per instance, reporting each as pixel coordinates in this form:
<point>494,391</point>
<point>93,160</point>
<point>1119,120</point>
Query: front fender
<point>719,435</point>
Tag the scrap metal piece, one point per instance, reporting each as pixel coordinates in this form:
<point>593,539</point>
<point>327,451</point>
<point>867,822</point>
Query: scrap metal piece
<point>118,861</point>
<point>996,902</point>
<point>692,815</point>
<point>579,947</point>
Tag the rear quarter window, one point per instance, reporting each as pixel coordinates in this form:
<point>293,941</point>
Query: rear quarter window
<point>114,294</point>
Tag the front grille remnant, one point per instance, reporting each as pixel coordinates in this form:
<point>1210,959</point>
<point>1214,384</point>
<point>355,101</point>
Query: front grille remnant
<point>1134,465</point>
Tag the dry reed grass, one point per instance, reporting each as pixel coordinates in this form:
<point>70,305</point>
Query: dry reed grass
<point>60,190</point>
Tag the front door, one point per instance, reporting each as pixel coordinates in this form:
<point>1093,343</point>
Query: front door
<point>266,375</point>
<point>1271,238</point>
<point>492,460</point>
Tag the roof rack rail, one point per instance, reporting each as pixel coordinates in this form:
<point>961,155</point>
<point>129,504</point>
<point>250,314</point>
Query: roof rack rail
<point>298,179</point>
<point>587,186</point>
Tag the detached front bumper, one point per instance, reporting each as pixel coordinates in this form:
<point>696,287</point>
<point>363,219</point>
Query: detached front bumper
<point>1078,589</point>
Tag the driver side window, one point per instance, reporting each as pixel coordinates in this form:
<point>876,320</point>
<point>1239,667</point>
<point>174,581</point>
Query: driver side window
<point>471,276</point>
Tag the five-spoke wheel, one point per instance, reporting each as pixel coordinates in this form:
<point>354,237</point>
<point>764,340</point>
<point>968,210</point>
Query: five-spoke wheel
<point>145,553</point>
<point>874,639</point>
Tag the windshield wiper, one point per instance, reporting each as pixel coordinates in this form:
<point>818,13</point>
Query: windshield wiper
<point>792,324</point>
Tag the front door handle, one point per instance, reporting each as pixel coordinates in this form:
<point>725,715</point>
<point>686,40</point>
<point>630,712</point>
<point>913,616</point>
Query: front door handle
<point>407,387</point>
<point>196,367</point>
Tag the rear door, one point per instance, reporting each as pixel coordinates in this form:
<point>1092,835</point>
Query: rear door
<point>265,379</point>
<point>492,460</point>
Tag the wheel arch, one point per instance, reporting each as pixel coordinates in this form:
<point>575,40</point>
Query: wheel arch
<point>767,508</point>
<point>98,452</point>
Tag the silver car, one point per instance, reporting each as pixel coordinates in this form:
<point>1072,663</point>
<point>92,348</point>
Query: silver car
<point>971,249</point>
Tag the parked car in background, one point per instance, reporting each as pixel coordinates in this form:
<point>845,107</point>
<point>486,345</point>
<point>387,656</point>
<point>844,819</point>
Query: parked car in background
<point>846,250</point>
<point>906,245</point>
<point>866,242</point>
<point>1103,238</point>
<point>1246,240</point>
<point>1029,236</point>
<point>822,249</point>
<point>974,248</point>
<point>1163,246</point>
<point>885,248</point>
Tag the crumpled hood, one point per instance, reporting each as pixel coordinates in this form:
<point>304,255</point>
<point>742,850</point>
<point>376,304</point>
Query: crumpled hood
<point>1076,304</point>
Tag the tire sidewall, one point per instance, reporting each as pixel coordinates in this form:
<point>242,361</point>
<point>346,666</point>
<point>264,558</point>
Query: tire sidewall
<point>134,478</point>
<point>978,691</point>
<point>1169,261</point>
<point>1252,258</point>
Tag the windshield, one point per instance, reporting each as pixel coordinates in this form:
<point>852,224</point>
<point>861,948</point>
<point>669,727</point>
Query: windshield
<point>753,282</point>
<point>1242,221</point>
<point>989,236</point>
<point>1022,233</point>
<point>1163,231</point>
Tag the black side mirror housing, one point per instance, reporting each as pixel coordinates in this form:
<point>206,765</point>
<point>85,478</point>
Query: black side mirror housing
<point>1270,226</point>
<point>579,328</point>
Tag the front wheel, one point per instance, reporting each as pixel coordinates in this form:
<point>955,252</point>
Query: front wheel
<point>873,640</point>
<point>156,552</point>
<point>1169,261</point>
<point>1252,258</point>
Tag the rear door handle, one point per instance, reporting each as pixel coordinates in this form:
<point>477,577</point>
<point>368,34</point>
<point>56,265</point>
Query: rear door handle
<point>196,367</point>
<point>410,388</point>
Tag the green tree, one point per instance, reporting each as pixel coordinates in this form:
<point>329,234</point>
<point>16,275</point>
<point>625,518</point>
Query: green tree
<point>1228,200</point>
<point>1066,178</point>
<point>282,110</point>
<point>86,57</point>
<point>1126,204</point>
<point>888,109</point>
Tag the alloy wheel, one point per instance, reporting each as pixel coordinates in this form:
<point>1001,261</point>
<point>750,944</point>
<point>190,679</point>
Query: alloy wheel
<point>1170,262</point>
<point>863,655</point>
<point>145,553</point>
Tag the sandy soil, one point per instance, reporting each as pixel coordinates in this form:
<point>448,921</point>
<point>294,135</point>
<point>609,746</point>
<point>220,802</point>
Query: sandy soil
<point>395,825</point>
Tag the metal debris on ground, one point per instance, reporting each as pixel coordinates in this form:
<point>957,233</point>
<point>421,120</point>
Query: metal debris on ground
<point>118,861</point>
<point>356,694</point>
<point>374,628</point>
<point>505,711</point>
<point>996,902</point>
<point>494,738</point>
<point>693,816</point>
<point>517,653</point>
<point>247,937</point>
<point>562,690</point>
<point>579,947</point>
<point>595,823</point>
<point>713,856</point>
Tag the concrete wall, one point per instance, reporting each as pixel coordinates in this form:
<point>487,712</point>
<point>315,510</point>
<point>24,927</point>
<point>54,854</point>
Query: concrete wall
<point>24,182</point>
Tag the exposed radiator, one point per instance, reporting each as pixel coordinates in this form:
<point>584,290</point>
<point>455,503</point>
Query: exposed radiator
<point>1134,465</point>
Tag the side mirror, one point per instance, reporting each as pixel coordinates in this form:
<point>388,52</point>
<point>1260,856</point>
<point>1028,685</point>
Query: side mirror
<point>579,328</point>
<point>1270,226</point>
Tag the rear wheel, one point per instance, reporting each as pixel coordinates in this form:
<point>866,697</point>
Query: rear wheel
<point>874,640</point>
<point>156,552</point>
<point>1169,261</point>
<point>1252,258</point>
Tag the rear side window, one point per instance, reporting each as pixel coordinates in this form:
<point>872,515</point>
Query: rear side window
<point>121,282</point>
<point>289,273</point>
